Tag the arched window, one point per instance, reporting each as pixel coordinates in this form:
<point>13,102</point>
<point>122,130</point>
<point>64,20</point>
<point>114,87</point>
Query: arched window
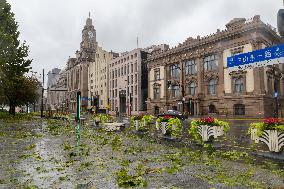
<point>212,87</point>
<point>212,109</point>
<point>192,88</point>
<point>239,109</point>
<point>239,85</point>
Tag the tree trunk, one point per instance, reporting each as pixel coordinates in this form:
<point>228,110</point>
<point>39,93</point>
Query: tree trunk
<point>12,110</point>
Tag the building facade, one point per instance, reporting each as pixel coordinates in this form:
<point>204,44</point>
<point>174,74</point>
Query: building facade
<point>98,79</point>
<point>128,81</point>
<point>77,68</point>
<point>193,77</point>
<point>57,94</point>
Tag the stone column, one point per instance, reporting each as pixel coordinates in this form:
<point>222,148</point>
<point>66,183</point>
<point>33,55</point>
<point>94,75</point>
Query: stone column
<point>221,73</point>
<point>258,74</point>
<point>200,87</point>
<point>166,92</point>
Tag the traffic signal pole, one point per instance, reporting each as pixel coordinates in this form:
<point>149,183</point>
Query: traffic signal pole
<point>42,92</point>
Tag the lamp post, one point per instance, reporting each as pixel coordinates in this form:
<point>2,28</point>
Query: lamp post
<point>42,92</point>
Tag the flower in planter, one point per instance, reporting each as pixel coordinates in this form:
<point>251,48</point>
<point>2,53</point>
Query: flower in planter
<point>218,126</point>
<point>142,120</point>
<point>267,124</point>
<point>270,131</point>
<point>174,127</point>
<point>164,119</point>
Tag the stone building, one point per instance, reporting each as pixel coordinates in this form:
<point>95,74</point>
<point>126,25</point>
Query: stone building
<point>98,79</point>
<point>128,81</point>
<point>77,68</point>
<point>57,93</point>
<point>193,77</point>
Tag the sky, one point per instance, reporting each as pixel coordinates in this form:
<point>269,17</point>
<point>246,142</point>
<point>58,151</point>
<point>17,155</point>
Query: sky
<point>52,28</point>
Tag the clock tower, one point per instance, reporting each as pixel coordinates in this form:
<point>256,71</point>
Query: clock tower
<point>89,41</point>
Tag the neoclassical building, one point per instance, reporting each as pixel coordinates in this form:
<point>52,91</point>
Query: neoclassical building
<point>193,77</point>
<point>77,68</point>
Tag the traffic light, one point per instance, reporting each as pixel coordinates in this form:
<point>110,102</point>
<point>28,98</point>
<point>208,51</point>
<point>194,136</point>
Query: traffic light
<point>280,22</point>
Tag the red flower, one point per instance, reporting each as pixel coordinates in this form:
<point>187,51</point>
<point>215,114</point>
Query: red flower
<point>272,121</point>
<point>167,117</point>
<point>207,120</point>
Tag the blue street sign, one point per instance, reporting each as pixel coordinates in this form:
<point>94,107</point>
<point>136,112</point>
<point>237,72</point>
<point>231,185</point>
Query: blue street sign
<point>257,58</point>
<point>86,98</point>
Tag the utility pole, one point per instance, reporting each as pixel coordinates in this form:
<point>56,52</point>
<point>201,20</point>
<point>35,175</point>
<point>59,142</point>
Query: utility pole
<point>42,92</point>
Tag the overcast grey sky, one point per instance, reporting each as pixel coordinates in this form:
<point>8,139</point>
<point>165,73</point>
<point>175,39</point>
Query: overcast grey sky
<point>52,28</point>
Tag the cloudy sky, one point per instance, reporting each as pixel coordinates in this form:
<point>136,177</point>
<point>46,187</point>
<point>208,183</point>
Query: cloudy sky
<point>52,28</point>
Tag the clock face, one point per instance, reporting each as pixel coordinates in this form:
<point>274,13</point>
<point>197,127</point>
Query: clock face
<point>91,35</point>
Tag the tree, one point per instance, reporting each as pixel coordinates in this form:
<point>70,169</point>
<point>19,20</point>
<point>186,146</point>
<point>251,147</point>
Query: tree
<point>13,57</point>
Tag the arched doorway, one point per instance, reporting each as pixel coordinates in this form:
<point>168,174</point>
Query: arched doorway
<point>156,110</point>
<point>239,109</point>
<point>212,109</point>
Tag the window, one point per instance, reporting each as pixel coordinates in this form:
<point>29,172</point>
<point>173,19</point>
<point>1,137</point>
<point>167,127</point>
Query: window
<point>239,86</point>
<point>116,83</point>
<point>239,109</point>
<point>175,91</point>
<point>190,67</point>
<point>210,63</point>
<point>125,70</point>
<point>132,90</point>
<point>131,68</point>
<point>192,88</point>
<point>118,72</point>
<point>115,73</point>
<point>156,93</point>
<point>212,109</point>
<point>122,71</point>
<point>157,74</point>
<point>174,70</point>
<point>131,79</point>
<point>212,87</point>
<point>128,81</point>
<point>135,67</point>
<point>135,78</point>
<point>115,92</point>
<point>135,90</point>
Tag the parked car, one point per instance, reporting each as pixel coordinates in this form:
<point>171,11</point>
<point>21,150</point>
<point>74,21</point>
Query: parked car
<point>173,113</point>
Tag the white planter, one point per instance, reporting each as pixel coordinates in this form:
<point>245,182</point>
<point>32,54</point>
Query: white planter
<point>272,138</point>
<point>136,124</point>
<point>164,127</point>
<point>157,125</point>
<point>174,127</point>
<point>207,131</point>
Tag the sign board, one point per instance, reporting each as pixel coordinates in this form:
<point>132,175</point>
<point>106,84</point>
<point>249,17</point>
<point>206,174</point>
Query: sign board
<point>86,99</point>
<point>257,58</point>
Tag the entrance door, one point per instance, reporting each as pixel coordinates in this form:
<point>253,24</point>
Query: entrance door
<point>122,105</point>
<point>191,108</point>
<point>157,111</point>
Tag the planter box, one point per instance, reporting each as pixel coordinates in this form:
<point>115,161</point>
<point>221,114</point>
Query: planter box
<point>164,127</point>
<point>207,131</point>
<point>137,123</point>
<point>272,138</point>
